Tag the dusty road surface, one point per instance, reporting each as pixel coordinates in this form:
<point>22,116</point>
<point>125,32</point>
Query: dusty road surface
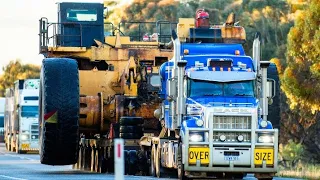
<point>27,167</point>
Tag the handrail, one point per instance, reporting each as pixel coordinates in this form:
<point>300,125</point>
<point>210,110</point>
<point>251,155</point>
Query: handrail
<point>53,33</point>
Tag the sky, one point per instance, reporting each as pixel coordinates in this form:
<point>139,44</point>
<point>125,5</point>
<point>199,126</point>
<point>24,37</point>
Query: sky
<point>19,28</point>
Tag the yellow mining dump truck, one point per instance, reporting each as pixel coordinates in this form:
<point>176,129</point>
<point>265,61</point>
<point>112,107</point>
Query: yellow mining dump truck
<point>96,86</point>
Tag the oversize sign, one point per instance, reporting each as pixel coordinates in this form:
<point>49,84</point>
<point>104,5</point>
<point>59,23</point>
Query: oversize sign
<point>199,153</point>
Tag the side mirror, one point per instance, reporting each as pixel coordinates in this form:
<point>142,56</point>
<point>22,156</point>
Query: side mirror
<point>105,12</point>
<point>155,80</point>
<point>271,88</point>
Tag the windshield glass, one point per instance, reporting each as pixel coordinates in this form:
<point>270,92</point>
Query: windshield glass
<point>212,88</point>
<point>1,121</point>
<point>81,15</point>
<point>29,111</point>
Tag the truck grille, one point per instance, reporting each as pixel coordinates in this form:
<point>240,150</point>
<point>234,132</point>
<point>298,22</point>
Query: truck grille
<point>232,122</point>
<point>34,131</point>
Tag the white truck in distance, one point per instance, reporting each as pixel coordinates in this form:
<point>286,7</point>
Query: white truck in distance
<point>2,101</point>
<point>22,133</point>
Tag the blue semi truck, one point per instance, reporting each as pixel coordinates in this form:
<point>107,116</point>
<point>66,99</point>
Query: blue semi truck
<point>214,109</point>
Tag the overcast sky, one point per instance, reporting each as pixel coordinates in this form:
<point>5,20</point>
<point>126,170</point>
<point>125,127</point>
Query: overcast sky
<point>19,28</point>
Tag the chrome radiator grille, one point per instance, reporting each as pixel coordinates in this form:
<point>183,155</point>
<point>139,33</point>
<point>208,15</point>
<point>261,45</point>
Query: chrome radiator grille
<point>232,122</point>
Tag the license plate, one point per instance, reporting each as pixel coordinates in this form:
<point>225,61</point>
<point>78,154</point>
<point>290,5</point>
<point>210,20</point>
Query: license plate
<point>25,146</point>
<point>231,158</point>
<point>263,155</point>
<point>199,153</point>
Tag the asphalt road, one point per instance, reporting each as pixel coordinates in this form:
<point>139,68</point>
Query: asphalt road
<point>27,167</point>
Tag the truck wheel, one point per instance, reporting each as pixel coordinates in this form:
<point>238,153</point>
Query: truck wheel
<point>181,175</point>
<point>152,169</point>
<point>234,175</point>
<point>126,120</point>
<point>158,162</point>
<point>59,110</point>
<point>21,152</point>
<point>131,162</point>
<point>131,129</point>
<point>274,107</point>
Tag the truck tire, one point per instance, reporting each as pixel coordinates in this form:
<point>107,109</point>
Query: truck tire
<point>180,169</point>
<point>158,166</point>
<point>131,135</point>
<point>131,129</point>
<point>59,111</point>
<point>126,120</point>
<point>274,107</point>
<point>152,170</point>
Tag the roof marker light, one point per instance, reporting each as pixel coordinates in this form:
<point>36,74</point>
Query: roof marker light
<point>229,69</point>
<point>186,51</point>
<point>237,52</point>
<point>221,68</point>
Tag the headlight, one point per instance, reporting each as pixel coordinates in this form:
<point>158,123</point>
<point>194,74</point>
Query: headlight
<point>265,139</point>
<point>263,123</point>
<point>199,122</point>
<point>222,138</point>
<point>240,138</point>
<point>196,138</point>
<point>24,137</point>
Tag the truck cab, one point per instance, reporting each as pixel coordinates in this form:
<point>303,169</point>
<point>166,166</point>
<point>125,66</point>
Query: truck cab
<point>22,116</point>
<point>215,105</point>
<point>2,109</point>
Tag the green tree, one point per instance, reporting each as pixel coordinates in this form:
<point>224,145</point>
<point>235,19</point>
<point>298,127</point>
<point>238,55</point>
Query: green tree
<point>14,71</point>
<point>301,80</point>
<point>302,76</point>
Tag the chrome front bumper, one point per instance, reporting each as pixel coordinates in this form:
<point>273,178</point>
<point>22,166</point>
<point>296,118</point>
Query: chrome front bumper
<point>215,157</point>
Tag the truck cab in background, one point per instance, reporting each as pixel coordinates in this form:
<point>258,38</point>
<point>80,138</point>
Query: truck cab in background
<point>2,109</point>
<point>21,116</point>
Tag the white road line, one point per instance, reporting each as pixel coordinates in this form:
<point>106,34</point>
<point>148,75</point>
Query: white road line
<point>10,177</point>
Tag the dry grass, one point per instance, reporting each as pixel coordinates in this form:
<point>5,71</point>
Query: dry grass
<point>305,172</point>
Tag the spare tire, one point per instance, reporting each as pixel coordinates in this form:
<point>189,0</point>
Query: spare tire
<point>131,129</point>
<point>127,120</point>
<point>274,107</point>
<point>131,135</point>
<point>59,111</point>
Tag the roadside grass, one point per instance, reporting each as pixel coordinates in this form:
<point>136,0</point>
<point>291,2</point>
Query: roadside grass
<point>305,171</point>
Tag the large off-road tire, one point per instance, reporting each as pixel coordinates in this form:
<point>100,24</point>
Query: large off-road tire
<point>130,121</point>
<point>274,106</point>
<point>59,111</point>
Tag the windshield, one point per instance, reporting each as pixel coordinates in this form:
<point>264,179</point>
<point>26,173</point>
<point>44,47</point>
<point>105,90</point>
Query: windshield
<point>81,15</point>
<point>212,88</point>
<point>29,111</point>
